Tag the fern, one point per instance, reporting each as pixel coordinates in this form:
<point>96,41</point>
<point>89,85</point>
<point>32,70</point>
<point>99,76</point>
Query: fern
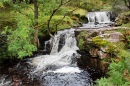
<point>118,71</point>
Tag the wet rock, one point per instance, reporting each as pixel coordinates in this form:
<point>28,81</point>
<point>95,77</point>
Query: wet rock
<point>94,52</point>
<point>113,15</point>
<point>102,55</point>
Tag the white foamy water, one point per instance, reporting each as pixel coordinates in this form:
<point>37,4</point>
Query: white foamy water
<point>60,56</point>
<point>98,17</point>
<point>68,70</point>
<point>98,20</point>
<point>5,80</point>
<point>59,68</point>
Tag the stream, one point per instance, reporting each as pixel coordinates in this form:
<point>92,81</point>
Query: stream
<point>59,68</point>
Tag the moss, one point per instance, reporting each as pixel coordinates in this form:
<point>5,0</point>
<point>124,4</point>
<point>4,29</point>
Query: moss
<point>80,11</point>
<point>100,42</point>
<point>83,42</point>
<point>80,39</point>
<point>126,25</point>
<point>123,19</point>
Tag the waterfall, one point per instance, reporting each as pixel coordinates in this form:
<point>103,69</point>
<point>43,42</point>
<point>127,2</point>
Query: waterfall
<point>63,52</point>
<point>98,17</point>
<point>60,68</point>
<point>98,20</point>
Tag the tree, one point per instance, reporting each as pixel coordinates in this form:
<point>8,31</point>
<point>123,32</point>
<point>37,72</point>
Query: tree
<point>37,5</point>
<point>32,18</point>
<point>36,40</point>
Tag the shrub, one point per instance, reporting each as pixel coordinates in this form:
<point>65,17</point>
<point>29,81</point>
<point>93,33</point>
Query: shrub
<point>118,74</point>
<point>20,41</point>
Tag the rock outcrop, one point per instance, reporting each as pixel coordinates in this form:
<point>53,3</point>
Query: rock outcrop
<point>97,48</point>
<point>123,18</point>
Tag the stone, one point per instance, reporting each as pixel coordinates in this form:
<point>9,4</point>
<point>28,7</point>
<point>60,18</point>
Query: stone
<point>115,37</point>
<point>102,55</point>
<point>122,18</point>
<point>93,52</point>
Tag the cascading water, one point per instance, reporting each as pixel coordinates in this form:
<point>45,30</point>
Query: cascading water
<point>98,19</point>
<point>59,68</point>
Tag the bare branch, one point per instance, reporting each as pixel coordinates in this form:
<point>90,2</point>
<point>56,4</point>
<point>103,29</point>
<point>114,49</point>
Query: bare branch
<point>54,11</point>
<point>67,14</point>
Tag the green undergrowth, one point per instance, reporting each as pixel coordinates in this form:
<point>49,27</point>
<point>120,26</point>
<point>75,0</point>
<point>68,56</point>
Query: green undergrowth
<point>80,11</point>
<point>126,25</point>
<point>1,4</point>
<point>118,74</point>
<point>81,40</point>
<point>119,68</point>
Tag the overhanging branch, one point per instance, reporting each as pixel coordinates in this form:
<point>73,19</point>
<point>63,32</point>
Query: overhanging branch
<point>67,14</point>
<point>54,11</point>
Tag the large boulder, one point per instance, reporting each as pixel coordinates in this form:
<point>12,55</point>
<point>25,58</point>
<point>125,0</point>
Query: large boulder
<point>95,47</point>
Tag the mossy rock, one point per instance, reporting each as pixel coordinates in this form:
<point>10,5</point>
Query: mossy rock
<point>123,18</point>
<point>84,40</point>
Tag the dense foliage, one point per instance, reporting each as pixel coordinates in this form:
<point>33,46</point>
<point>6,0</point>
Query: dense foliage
<point>20,41</point>
<point>26,21</point>
<point>118,74</point>
<point>118,71</point>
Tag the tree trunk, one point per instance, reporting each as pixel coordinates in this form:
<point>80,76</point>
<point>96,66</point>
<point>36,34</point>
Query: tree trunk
<point>36,40</point>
